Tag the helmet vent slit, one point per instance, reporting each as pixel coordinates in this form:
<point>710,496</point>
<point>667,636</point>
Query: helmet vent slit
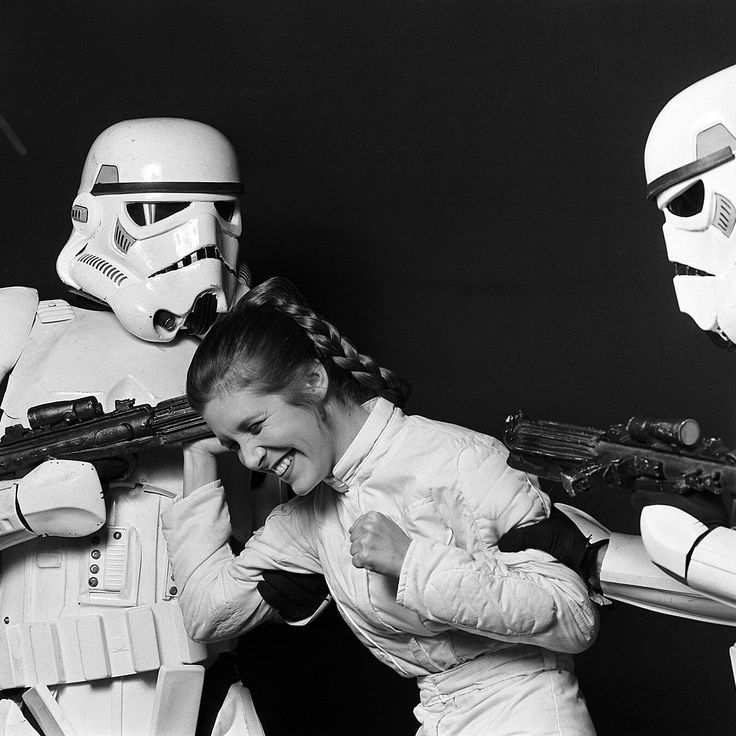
<point>107,269</point>
<point>725,216</point>
<point>122,239</point>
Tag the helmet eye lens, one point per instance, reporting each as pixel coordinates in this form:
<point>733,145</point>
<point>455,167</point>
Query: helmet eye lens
<point>162,210</point>
<point>135,212</point>
<point>146,213</point>
<point>226,209</point>
<point>690,202</point>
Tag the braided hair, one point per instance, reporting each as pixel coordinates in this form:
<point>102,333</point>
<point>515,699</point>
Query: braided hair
<point>269,343</point>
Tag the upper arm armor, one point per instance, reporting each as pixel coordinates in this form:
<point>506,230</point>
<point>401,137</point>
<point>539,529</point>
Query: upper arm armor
<point>18,306</point>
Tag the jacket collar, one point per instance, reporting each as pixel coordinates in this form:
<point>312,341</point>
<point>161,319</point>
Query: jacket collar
<point>344,473</point>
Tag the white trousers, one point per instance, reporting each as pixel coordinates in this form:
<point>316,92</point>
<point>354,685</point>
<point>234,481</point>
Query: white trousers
<point>536,694</point>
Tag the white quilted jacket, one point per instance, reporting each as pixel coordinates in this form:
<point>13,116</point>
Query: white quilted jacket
<point>451,491</point>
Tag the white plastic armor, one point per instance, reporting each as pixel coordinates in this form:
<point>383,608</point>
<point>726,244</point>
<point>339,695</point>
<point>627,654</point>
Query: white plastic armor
<point>691,173</point>
<point>58,498</point>
<point>95,617</point>
<point>678,566</point>
<point>155,226</point>
<point>688,550</point>
<point>690,163</point>
<point>648,573</point>
<point>91,632</point>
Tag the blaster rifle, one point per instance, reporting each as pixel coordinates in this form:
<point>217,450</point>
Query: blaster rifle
<point>79,429</point>
<point>643,453</point>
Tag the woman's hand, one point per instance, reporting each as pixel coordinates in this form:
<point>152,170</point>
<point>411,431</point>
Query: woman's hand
<point>200,462</point>
<point>206,446</point>
<point>378,544</point>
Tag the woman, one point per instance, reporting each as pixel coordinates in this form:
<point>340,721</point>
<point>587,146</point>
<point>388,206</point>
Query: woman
<point>400,513</point>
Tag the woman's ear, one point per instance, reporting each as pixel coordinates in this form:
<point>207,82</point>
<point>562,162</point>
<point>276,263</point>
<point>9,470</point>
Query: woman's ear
<point>317,381</point>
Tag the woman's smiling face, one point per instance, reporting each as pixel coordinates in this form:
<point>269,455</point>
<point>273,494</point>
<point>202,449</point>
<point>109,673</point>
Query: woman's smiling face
<point>271,435</point>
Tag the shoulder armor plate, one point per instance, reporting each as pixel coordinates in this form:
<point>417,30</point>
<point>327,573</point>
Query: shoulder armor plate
<point>17,312</point>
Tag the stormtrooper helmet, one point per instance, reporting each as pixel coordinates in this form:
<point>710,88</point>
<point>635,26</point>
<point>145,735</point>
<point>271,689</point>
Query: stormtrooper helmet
<point>691,174</point>
<point>155,227</point>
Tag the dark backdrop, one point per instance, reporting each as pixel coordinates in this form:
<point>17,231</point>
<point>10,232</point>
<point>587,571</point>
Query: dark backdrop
<point>460,186</point>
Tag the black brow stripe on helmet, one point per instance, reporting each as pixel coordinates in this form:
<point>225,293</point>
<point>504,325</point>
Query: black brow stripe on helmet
<point>168,187</point>
<point>706,163</point>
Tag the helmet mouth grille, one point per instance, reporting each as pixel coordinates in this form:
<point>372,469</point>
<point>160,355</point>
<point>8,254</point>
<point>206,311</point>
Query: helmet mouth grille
<point>682,270</point>
<point>202,315</point>
<point>209,251</point>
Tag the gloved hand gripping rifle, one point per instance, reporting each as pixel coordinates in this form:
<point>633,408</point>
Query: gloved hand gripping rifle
<point>642,454</point>
<point>80,430</point>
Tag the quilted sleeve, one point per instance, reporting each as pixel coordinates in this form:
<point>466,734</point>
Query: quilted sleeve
<point>218,590</point>
<point>524,597</point>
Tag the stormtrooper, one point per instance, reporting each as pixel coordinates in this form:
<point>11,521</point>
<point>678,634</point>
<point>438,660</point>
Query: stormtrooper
<point>684,563</point>
<point>92,641</point>
<point>691,175</point>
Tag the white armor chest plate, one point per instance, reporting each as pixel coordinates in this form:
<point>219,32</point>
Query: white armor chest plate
<point>74,352</point>
<point>97,589</point>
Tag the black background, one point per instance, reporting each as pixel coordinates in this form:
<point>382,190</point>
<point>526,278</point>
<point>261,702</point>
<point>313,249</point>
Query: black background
<point>459,185</point>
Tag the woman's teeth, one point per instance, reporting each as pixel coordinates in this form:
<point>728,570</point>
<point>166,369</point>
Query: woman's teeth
<point>284,464</point>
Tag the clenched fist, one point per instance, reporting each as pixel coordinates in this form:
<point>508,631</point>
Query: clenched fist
<point>378,544</point>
